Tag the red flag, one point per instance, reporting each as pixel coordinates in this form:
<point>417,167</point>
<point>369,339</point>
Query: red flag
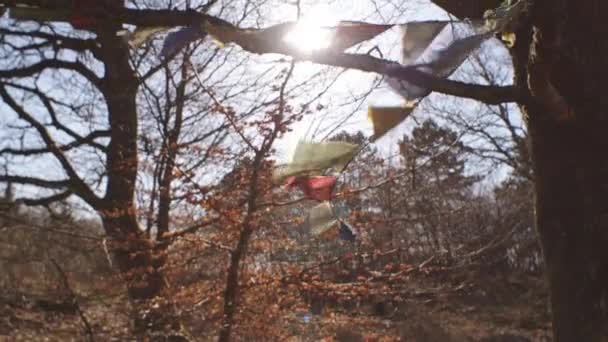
<point>291,181</point>
<point>316,188</point>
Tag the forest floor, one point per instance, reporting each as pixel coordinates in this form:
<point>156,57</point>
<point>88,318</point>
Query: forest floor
<point>453,305</point>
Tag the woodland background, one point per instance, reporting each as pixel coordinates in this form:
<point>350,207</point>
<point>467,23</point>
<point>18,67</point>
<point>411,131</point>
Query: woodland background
<point>446,247</point>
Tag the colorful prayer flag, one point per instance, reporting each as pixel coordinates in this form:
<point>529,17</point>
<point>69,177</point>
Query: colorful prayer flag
<point>440,47</point>
<point>350,33</point>
<point>177,40</point>
<point>436,48</point>
<point>347,232</point>
<point>445,61</point>
<point>321,219</point>
<point>315,188</point>
<point>386,118</point>
<point>416,38</point>
<point>142,34</point>
<point>316,158</point>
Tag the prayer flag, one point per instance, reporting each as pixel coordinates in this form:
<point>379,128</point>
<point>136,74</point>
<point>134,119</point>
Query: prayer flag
<point>315,158</point>
<point>416,38</point>
<point>321,219</point>
<point>440,47</point>
<point>436,48</point>
<point>385,118</point>
<point>350,33</point>
<point>315,188</point>
<point>177,40</point>
<point>142,34</point>
<point>347,232</point>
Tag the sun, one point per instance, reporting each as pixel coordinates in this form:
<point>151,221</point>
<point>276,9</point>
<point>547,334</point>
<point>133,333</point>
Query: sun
<point>309,36</point>
<point>312,32</point>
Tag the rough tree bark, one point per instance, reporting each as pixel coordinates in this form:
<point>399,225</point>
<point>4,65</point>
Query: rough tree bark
<point>568,125</point>
<point>560,59</point>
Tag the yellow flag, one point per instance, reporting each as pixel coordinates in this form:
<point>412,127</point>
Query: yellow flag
<point>385,118</point>
<point>142,34</point>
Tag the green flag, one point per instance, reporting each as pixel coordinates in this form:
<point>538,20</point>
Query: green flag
<point>317,158</point>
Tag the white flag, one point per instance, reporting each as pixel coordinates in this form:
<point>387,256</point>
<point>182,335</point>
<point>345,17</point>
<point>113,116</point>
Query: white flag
<point>440,47</point>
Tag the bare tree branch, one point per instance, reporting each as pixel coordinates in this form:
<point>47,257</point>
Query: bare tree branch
<point>251,41</point>
<point>45,201</point>
<point>86,140</point>
<point>75,182</point>
<point>48,104</point>
<point>36,68</point>
<point>44,183</point>
<point>57,41</point>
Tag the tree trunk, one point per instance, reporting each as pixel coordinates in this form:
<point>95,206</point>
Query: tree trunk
<point>232,285</point>
<point>571,176</point>
<point>170,150</point>
<point>119,214</point>
<point>568,124</point>
<point>137,258</point>
<point>231,293</point>
<point>565,69</point>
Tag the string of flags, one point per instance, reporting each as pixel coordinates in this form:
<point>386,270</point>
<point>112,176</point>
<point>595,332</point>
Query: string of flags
<point>437,48</point>
<point>432,47</point>
<point>313,169</point>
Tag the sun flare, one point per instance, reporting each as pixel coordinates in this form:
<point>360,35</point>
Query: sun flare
<point>308,36</point>
<point>312,32</point>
